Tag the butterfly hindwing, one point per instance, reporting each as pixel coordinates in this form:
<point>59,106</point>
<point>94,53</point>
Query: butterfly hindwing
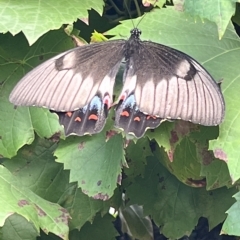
<point>87,120</point>
<point>133,121</point>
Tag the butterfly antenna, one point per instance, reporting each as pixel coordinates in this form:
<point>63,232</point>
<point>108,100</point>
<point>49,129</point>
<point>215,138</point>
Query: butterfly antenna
<point>129,13</point>
<point>144,14</point>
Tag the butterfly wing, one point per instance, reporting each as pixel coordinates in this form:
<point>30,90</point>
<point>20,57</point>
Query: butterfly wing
<point>77,84</point>
<point>167,84</point>
<point>132,120</point>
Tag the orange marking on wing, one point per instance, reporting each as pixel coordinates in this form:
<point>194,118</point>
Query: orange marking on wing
<point>69,114</point>
<point>149,116</point>
<point>93,117</point>
<point>125,114</point>
<point>137,119</point>
<point>77,119</point>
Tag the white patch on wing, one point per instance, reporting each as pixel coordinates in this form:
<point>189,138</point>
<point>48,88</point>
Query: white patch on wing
<point>182,98</point>
<point>146,103</point>
<point>62,93</point>
<point>69,60</point>
<point>182,68</point>
<point>84,90</point>
<point>129,86</point>
<point>172,99</point>
<point>106,86</point>
<point>161,95</point>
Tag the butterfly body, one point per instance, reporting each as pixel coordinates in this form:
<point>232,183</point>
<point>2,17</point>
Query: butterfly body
<point>159,83</point>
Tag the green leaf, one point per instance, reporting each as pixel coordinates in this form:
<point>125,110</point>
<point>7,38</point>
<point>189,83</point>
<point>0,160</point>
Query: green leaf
<point>35,168</point>
<point>173,205</point>
<point>17,125</point>
<point>135,223</point>
<point>136,154</point>
<point>231,225</point>
<point>219,12</point>
<point>101,229</point>
<point>84,209</point>
<point>93,162</point>
<point>35,19</point>
<point>17,227</point>
<point>16,198</point>
<point>217,174</point>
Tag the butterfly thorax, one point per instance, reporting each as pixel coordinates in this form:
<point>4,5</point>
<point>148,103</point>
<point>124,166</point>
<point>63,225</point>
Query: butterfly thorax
<point>133,43</point>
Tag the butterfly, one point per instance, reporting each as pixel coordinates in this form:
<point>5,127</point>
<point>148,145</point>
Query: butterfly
<point>159,83</point>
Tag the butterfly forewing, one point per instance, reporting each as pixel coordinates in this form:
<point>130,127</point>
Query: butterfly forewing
<point>70,80</point>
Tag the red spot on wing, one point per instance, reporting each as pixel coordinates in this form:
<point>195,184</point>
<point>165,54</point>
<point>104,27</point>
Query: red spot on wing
<point>77,119</point>
<point>69,114</point>
<point>137,119</point>
<point>125,114</point>
<point>93,117</point>
<point>149,116</point>
<point>107,101</point>
<point>123,97</point>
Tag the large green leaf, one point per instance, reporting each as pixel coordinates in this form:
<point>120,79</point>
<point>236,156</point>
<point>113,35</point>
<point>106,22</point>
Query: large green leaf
<point>16,58</point>
<point>16,198</point>
<point>174,206</point>
<point>17,227</point>
<point>101,229</point>
<point>94,162</point>
<point>219,12</point>
<point>35,18</point>
<point>231,225</point>
<point>35,168</point>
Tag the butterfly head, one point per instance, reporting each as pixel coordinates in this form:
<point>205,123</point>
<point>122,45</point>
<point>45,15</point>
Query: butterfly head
<point>135,33</point>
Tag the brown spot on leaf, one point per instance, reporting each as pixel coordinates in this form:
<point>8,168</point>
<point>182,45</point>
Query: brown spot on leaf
<point>183,128</point>
<point>170,155</point>
<point>22,203</point>
<point>55,137</point>
<point>215,185</point>
<point>174,137</point>
<point>83,182</point>
<point>119,179</point>
<point>110,134</point>
<point>161,179</point>
<point>63,210</point>
<point>163,187</point>
<point>207,156</point>
<point>81,146</point>
<point>219,153</point>
<point>196,183</point>
<point>41,213</point>
<point>64,217</point>
<point>101,196</point>
<point>85,191</point>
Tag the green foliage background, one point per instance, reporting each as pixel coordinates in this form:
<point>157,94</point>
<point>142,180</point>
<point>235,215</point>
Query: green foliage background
<point>62,186</point>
